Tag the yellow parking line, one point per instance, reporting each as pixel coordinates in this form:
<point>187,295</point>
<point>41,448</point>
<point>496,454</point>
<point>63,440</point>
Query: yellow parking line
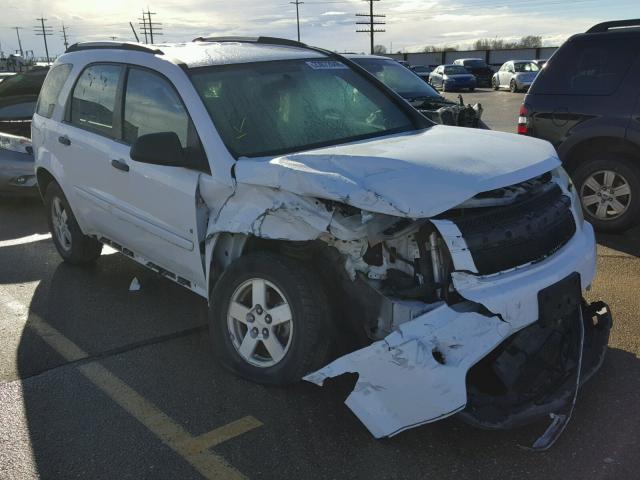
<point>193,449</point>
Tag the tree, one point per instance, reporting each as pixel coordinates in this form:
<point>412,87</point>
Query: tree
<point>531,41</point>
<point>380,50</point>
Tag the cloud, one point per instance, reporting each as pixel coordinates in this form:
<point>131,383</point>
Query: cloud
<point>335,14</point>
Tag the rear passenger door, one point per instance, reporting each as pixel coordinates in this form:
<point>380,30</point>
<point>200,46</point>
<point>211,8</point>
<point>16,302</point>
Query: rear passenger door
<point>157,203</point>
<point>84,143</point>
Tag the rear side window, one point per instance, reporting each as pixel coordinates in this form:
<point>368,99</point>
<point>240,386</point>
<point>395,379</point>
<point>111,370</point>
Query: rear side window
<point>51,89</point>
<point>152,106</point>
<point>584,67</point>
<point>94,99</point>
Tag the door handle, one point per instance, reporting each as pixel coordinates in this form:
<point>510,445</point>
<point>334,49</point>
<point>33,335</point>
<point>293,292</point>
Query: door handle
<point>120,165</point>
<point>64,140</point>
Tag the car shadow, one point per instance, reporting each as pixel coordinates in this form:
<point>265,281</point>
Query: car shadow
<point>75,430</point>
<point>627,242</point>
<point>21,217</point>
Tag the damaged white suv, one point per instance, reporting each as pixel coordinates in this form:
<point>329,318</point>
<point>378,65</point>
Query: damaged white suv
<point>319,214</point>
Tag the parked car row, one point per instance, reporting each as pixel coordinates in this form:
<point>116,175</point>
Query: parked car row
<point>18,97</point>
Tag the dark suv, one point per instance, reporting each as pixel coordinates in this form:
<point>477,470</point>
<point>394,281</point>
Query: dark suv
<point>586,103</point>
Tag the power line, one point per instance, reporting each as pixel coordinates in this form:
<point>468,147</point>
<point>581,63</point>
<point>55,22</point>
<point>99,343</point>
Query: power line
<point>371,23</point>
<point>297,4</point>
<point>44,31</point>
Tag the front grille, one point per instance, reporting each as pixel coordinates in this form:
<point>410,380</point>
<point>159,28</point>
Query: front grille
<point>501,238</point>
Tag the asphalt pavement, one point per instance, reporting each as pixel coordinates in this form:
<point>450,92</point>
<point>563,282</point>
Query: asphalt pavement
<point>97,381</point>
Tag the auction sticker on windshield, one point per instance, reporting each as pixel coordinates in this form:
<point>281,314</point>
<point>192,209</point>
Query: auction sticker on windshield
<point>326,65</point>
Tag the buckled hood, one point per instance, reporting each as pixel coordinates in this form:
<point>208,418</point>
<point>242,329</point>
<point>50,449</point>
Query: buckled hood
<point>416,174</point>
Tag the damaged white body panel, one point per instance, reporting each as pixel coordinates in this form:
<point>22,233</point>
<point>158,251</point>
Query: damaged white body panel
<point>416,375</point>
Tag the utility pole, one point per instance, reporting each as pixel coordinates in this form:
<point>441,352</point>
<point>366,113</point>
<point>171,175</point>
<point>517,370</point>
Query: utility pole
<point>44,32</point>
<point>297,4</point>
<point>143,25</point>
<point>64,35</point>
<point>19,42</point>
<point>371,23</point>
<point>151,25</point>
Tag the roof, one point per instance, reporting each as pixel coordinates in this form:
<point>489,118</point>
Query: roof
<point>213,52</point>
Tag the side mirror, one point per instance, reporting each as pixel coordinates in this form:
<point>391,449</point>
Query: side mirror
<point>162,148</point>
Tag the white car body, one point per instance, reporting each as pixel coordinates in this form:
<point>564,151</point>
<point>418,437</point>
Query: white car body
<point>508,75</point>
<point>181,222</point>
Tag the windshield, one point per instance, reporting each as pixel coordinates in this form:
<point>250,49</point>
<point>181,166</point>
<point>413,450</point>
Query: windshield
<point>406,83</point>
<point>455,70</point>
<point>526,67</point>
<point>475,63</point>
<point>278,107</point>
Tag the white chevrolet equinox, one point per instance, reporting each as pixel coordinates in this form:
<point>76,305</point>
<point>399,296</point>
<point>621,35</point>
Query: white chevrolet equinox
<point>326,220</point>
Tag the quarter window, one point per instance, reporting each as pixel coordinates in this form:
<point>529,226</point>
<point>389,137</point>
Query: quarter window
<point>51,89</point>
<point>153,106</point>
<point>94,99</point>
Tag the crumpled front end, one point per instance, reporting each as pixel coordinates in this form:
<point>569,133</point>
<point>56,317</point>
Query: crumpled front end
<point>499,332</point>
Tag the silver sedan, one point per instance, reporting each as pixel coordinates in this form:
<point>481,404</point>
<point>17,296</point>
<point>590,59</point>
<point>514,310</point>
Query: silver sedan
<point>516,75</point>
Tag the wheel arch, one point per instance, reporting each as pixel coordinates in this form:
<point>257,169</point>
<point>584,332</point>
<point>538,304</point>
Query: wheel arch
<point>609,144</point>
<point>44,178</point>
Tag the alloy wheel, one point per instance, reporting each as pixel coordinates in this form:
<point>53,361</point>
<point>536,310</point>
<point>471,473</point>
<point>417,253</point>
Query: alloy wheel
<point>606,195</point>
<point>260,323</point>
<point>60,224</point>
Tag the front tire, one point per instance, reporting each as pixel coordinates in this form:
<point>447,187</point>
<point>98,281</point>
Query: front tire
<point>269,319</point>
<point>609,189</point>
<point>73,246</point>
<point>494,84</point>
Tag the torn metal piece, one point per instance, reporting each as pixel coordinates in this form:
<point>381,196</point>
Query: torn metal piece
<point>416,375</point>
<point>560,421</point>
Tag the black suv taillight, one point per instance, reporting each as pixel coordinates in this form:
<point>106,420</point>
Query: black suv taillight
<point>523,120</point>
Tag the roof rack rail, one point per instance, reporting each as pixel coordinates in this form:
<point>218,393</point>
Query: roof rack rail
<point>606,26</point>
<point>135,47</point>
<point>264,40</point>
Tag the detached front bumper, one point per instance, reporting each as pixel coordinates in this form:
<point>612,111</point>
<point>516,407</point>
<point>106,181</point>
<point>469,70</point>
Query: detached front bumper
<point>418,374</point>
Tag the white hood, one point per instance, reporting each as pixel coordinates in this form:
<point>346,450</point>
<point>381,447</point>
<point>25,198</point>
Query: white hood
<point>415,175</point>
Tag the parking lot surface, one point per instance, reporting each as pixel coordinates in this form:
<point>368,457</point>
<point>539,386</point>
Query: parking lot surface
<point>97,381</point>
<point>500,107</point>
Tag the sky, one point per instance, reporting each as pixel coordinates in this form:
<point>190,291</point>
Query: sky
<point>411,24</point>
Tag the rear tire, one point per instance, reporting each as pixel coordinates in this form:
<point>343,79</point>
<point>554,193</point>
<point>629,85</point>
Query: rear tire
<point>73,246</point>
<point>472,89</point>
<point>513,87</point>
<point>246,345</point>
<point>609,189</point>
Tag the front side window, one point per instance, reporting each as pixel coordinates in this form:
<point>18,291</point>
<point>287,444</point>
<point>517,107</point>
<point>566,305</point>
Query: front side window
<point>152,106</point>
<point>94,99</point>
<point>51,89</point>
<point>279,107</point>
